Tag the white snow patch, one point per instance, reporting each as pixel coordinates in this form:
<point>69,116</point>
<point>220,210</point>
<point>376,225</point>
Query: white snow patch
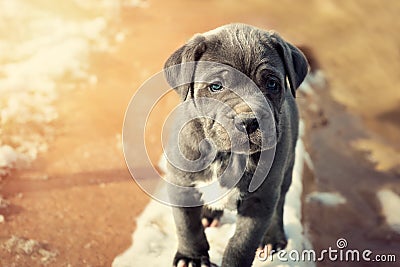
<point>8,159</point>
<point>326,198</point>
<point>8,156</point>
<point>312,80</point>
<point>390,203</point>
<point>155,242</point>
<point>162,164</point>
<point>29,247</point>
<point>317,78</point>
<point>306,87</point>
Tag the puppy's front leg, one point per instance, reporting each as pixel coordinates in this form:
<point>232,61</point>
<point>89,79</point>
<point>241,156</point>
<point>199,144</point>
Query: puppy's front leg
<point>253,219</point>
<point>193,246</point>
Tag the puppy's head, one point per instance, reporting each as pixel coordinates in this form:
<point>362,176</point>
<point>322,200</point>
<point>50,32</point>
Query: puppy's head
<point>237,77</point>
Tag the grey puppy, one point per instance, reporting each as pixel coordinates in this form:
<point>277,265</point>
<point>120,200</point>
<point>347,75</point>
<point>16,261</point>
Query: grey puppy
<point>276,69</point>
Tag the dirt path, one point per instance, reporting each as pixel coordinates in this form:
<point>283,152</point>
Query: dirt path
<point>339,169</point>
<point>78,200</point>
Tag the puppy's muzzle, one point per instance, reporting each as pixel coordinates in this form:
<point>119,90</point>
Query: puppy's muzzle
<point>246,123</point>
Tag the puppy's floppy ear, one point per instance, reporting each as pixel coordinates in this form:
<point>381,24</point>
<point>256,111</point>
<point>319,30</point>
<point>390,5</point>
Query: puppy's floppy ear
<point>295,62</point>
<point>180,75</point>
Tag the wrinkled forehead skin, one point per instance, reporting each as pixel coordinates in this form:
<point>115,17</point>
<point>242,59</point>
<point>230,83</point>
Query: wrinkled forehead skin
<point>250,50</point>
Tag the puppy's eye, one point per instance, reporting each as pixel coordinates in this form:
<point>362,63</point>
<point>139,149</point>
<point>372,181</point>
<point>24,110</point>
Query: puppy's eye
<point>215,87</point>
<point>272,86</point>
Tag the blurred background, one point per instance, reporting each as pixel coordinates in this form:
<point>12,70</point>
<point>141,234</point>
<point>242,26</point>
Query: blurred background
<point>68,69</point>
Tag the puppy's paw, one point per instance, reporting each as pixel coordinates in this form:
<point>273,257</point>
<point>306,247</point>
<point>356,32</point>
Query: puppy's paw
<point>210,217</point>
<point>275,242</point>
<point>181,260</point>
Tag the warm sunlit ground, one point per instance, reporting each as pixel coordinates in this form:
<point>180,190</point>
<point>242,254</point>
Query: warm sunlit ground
<point>83,62</point>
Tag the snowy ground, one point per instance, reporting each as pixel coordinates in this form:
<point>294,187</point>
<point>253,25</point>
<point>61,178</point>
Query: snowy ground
<point>41,46</point>
<point>390,201</point>
<point>38,47</point>
<point>154,241</point>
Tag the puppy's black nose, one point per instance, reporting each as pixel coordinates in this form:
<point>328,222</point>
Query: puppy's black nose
<point>246,123</point>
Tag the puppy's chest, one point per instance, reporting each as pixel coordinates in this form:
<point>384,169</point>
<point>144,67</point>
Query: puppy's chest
<point>215,193</point>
